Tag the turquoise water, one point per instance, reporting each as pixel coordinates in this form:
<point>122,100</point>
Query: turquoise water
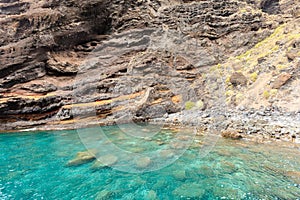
<point>33,166</point>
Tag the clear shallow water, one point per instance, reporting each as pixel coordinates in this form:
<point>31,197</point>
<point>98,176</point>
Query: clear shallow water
<point>33,166</point>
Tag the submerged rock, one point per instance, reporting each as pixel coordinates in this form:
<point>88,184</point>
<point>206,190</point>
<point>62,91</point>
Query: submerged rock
<point>161,183</point>
<point>206,170</point>
<point>294,175</point>
<point>178,145</point>
<point>151,195</point>
<point>228,167</point>
<point>224,192</point>
<point>105,161</point>
<point>166,153</point>
<point>189,191</point>
<point>184,138</point>
<point>97,165</point>
<point>143,162</point>
<point>108,160</point>
<point>82,158</point>
<point>104,195</point>
<point>179,175</point>
<point>137,149</point>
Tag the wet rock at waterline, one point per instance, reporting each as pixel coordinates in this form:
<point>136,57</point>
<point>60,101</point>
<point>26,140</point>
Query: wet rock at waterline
<point>232,134</point>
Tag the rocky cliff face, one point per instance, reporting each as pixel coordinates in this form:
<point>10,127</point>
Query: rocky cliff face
<point>98,61</point>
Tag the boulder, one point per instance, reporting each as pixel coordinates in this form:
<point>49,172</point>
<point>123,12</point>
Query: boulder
<point>237,78</point>
<point>281,80</point>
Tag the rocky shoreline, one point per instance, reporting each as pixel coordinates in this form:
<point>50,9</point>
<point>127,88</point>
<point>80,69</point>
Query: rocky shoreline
<point>259,126</point>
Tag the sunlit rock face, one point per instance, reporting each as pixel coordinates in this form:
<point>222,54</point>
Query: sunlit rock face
<point>114,61</point>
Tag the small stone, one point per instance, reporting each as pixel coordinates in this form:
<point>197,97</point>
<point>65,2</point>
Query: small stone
<point>261,60</point>
<point>205,115</point>
<point>261,113</point>
<point>291,55</point>
<point>200,105</point>
<point>242,108</point>
<point>160,142</point>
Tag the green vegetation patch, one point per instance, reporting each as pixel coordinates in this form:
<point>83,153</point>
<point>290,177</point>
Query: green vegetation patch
<point>189,105</point>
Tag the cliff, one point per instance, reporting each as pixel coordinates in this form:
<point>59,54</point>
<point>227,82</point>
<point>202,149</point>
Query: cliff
<point>86,62</point>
